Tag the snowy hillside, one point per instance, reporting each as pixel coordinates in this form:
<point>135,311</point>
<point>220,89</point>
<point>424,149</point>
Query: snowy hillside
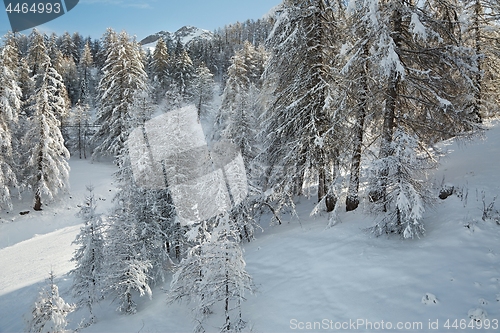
<point>305,274</point>
<point>186,34</point>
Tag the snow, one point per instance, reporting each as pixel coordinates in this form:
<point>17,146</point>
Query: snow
<point>418,29</point>
<point>187,34</point>
<point>305,273</point>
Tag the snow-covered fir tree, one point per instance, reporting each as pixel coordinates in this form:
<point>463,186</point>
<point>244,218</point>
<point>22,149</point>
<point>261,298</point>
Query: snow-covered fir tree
<point>481,29</point>
<point>139,233</point>
<point>183,71</point>
<point>418,75</point>
<point>123,77</point>
<point>69,73</point>
<point>407,191</point>
<point>203,89</point>
<point>89,257</point>
<point>213,274</point>
<point>79,43</point>
<point>66,69</point>
<point>354,94</point>
<point>160,68</point>
<point>36,51</point>
<point>49,312</point>
<point>300,133</point>
<point>10,106</point>
<point>86,79</point>
<point>153,209</point>
<point>80,121</point>
<point>46,169</point>
<point>68,47</point>
<point>126,267</point>
<point>241,101</point>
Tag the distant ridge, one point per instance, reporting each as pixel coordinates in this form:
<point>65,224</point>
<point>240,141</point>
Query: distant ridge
<point>186,34</point>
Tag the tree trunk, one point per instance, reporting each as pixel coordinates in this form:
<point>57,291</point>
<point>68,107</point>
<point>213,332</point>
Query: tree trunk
<point>38,201</point>
<point>478,11</point>
<point>38,198</point>
<point>322,188</point>
<point>389,114</point>
<point>352,201</point>
<point>80,138</point>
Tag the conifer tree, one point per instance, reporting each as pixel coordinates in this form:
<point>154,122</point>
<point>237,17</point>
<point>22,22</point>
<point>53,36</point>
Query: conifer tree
<point>36,51</point>
<point>183,72</point>
<point>49,311</point>
<point>160,65</point>
<point>241,101</point>
<point>46,169</point>
<point>418,74</point>
<point>68,48</point>
<point>123,77</point>
<point>10,106</point>
<point>203,89</point>
<point>127,267</point>
<point>482,32</point>
<point>354,87</point>
<point>300,118</point>
<point>407,192</point>
<point>85,76</point>
<point>213,273</point>
<point>89,257</point>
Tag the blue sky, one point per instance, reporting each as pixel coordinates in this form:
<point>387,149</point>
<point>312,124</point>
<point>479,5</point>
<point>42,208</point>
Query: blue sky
<point>145,17</point>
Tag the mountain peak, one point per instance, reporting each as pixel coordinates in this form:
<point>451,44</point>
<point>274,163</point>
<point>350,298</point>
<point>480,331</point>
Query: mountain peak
<point>187,34</point>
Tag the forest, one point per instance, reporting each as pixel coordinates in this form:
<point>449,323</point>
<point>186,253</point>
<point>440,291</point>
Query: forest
<point>345,101</point>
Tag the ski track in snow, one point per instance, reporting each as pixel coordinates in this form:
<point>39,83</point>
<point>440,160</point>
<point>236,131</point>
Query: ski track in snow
<point>30,261</point>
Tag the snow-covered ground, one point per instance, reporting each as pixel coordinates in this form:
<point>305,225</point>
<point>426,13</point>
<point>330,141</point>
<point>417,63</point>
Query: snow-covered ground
<point>336,279</point>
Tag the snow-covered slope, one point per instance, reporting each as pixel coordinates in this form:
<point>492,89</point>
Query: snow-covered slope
<point>306,274</point>
<point>186,34</point>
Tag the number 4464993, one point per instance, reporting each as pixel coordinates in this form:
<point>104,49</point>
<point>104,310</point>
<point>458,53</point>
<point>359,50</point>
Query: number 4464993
<point>36,8</point>
<point>462,324</point>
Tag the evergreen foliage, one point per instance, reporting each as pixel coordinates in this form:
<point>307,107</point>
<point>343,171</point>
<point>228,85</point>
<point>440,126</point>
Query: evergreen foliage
<point>46,169</point>
<point>89,257</point>
<point>49,311</point>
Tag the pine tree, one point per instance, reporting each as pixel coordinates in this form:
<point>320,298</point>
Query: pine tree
<point>354,94</point>
<point>183,73</point>
<point>79,43</point>
<point>300,121</point>
<point>69,73</point>
<point>153,210</point>
<point>123,77</point>
<point>415,54</point>
<point>49,311</point>
<point>407,192</point>
<point>160,66</point>
<point>36,51</point>
<point>213,273</point>
<point>10,106</point>
<point>480,20</point>
<point>203,89</point>
<point>127,268</point>
<point>47,169</point>
<point>241,102</point>
<point>26,84</point>
<point>86,80</point>
<point>68,48</point>
<point>89,257</point>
